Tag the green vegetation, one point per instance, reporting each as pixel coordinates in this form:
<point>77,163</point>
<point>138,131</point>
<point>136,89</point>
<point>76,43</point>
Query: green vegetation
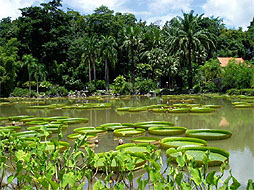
<point>55,165</point>
<point>73,52</point>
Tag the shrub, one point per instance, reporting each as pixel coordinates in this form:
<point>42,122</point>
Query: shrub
<point>57,91</point>
<point>120,85</point>
<point>233,91</point>
<point>23,92</point>
<point>99,84</point>
<point>90,87</point>
<point>237,76</point>
<point>145,86</point>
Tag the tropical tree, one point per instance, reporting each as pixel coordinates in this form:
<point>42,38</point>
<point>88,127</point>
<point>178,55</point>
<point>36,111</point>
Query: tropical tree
<point>108,54</point>
<point>39,72</point>
<point>132,41</point>
<point>188,37</point>
<point>29,61</point>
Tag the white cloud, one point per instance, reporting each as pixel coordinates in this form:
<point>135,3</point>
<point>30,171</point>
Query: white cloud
<point>10,7</point>
<point>234,12</point>
<point>160,20</point>
<point>88,6</point>
<point>165,6</point>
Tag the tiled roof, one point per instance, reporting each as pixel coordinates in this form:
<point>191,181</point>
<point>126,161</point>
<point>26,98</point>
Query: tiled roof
<point>225,60</point>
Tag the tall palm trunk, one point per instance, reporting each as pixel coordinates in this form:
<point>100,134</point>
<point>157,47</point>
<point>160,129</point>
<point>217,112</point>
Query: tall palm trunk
<point>133,70</point>
<point>106,74</point>
<point>29,78</point>
<point>37,85</point>
<point>94,68</point>
<point>89,70</point>
<point>189,67</point>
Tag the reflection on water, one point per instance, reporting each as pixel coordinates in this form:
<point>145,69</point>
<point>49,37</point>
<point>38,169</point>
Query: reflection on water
<point>239,121</point>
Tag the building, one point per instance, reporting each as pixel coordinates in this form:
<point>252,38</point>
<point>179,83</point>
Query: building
<point>225,60</point>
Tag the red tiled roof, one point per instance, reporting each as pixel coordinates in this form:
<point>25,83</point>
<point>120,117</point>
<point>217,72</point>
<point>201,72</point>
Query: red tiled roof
<point>225,60</point>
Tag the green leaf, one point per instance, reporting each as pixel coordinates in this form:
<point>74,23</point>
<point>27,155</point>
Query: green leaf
<point>196,176</point>
<point>179,178</point>
<point>250,185</point>
<point>10,178</point>
<point>210,178</point>
<point>68,178</point>
<point>180,161</point>
<point>235,185</point>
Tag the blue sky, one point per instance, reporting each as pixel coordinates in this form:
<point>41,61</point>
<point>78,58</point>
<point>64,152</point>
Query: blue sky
<point>235,13</point>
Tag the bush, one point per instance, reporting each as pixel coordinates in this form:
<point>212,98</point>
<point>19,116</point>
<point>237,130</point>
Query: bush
<point>120,85</point>
<point>145,86</point>
<point>90,87</point>
<point>249,92</point>
<point>23,92</point>
<point>99,84</point>
<point>238,76</point>
<point>57,91</point>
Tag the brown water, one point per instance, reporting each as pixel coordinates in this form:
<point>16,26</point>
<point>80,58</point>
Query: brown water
<point>239,121</point>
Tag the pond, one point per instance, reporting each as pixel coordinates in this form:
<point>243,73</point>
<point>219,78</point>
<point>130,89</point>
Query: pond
<point>238,120</point>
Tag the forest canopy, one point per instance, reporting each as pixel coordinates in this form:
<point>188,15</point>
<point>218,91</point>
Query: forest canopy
<point>50,50</point>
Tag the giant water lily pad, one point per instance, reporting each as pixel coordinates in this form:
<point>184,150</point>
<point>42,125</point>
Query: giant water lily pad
<point>100,160</point>
<point>209,134</point>
<point>150,140</point>
<point>179,110</point>
<point>216,156</point>
<point>73,120</point>
<point>127,132</point>
<point>201,110</point>
<point>113,126</point>
<point>89,130</point>
<point>132,147</point>
<point>50,146</point>
<point>19,117</point>
<point>167,130</point>
<point>175,142</point>
<point>148,124</point>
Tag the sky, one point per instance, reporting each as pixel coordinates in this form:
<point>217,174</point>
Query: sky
<point>235,13</point>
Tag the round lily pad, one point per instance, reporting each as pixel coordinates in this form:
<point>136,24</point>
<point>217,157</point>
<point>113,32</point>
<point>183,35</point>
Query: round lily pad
<point>179,110</point>
<point>150,140</point>
<point>89,130</point>
<point>166,130</point>
<point>216,156</point>
<point>201,110</point>
<point>132,147</point>
<point>209,134</point>
<point>127,132</point>
<point>175,142</point>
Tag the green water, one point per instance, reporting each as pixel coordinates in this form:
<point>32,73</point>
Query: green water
<point>239,121</point>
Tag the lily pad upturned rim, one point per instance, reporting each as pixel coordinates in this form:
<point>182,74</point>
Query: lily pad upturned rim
<point>154,140</point>
<point>194,133</point>
<point>118,132</point>
<point>171,139</point>
<point>166,130</point>
<point>200,148</point>
<point>166,123</point>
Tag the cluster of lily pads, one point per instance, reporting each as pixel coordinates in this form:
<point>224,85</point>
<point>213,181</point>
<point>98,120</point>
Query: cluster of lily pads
<point>73,106</point>
<point>243,104</point>
<point>194,143</point>
<point>175,108</point>
<point>28,127</point>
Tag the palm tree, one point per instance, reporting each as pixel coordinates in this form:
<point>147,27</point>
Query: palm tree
<point>187,36</point>
<point>29,61</point>
<point>39,72</point>
<point>132,41</point>
<point>108,54</point>
<point>89,55</point>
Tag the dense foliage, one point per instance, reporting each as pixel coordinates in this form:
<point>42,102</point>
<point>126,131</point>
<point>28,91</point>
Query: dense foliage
<point>33,165</point>
<point>70,50</point>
